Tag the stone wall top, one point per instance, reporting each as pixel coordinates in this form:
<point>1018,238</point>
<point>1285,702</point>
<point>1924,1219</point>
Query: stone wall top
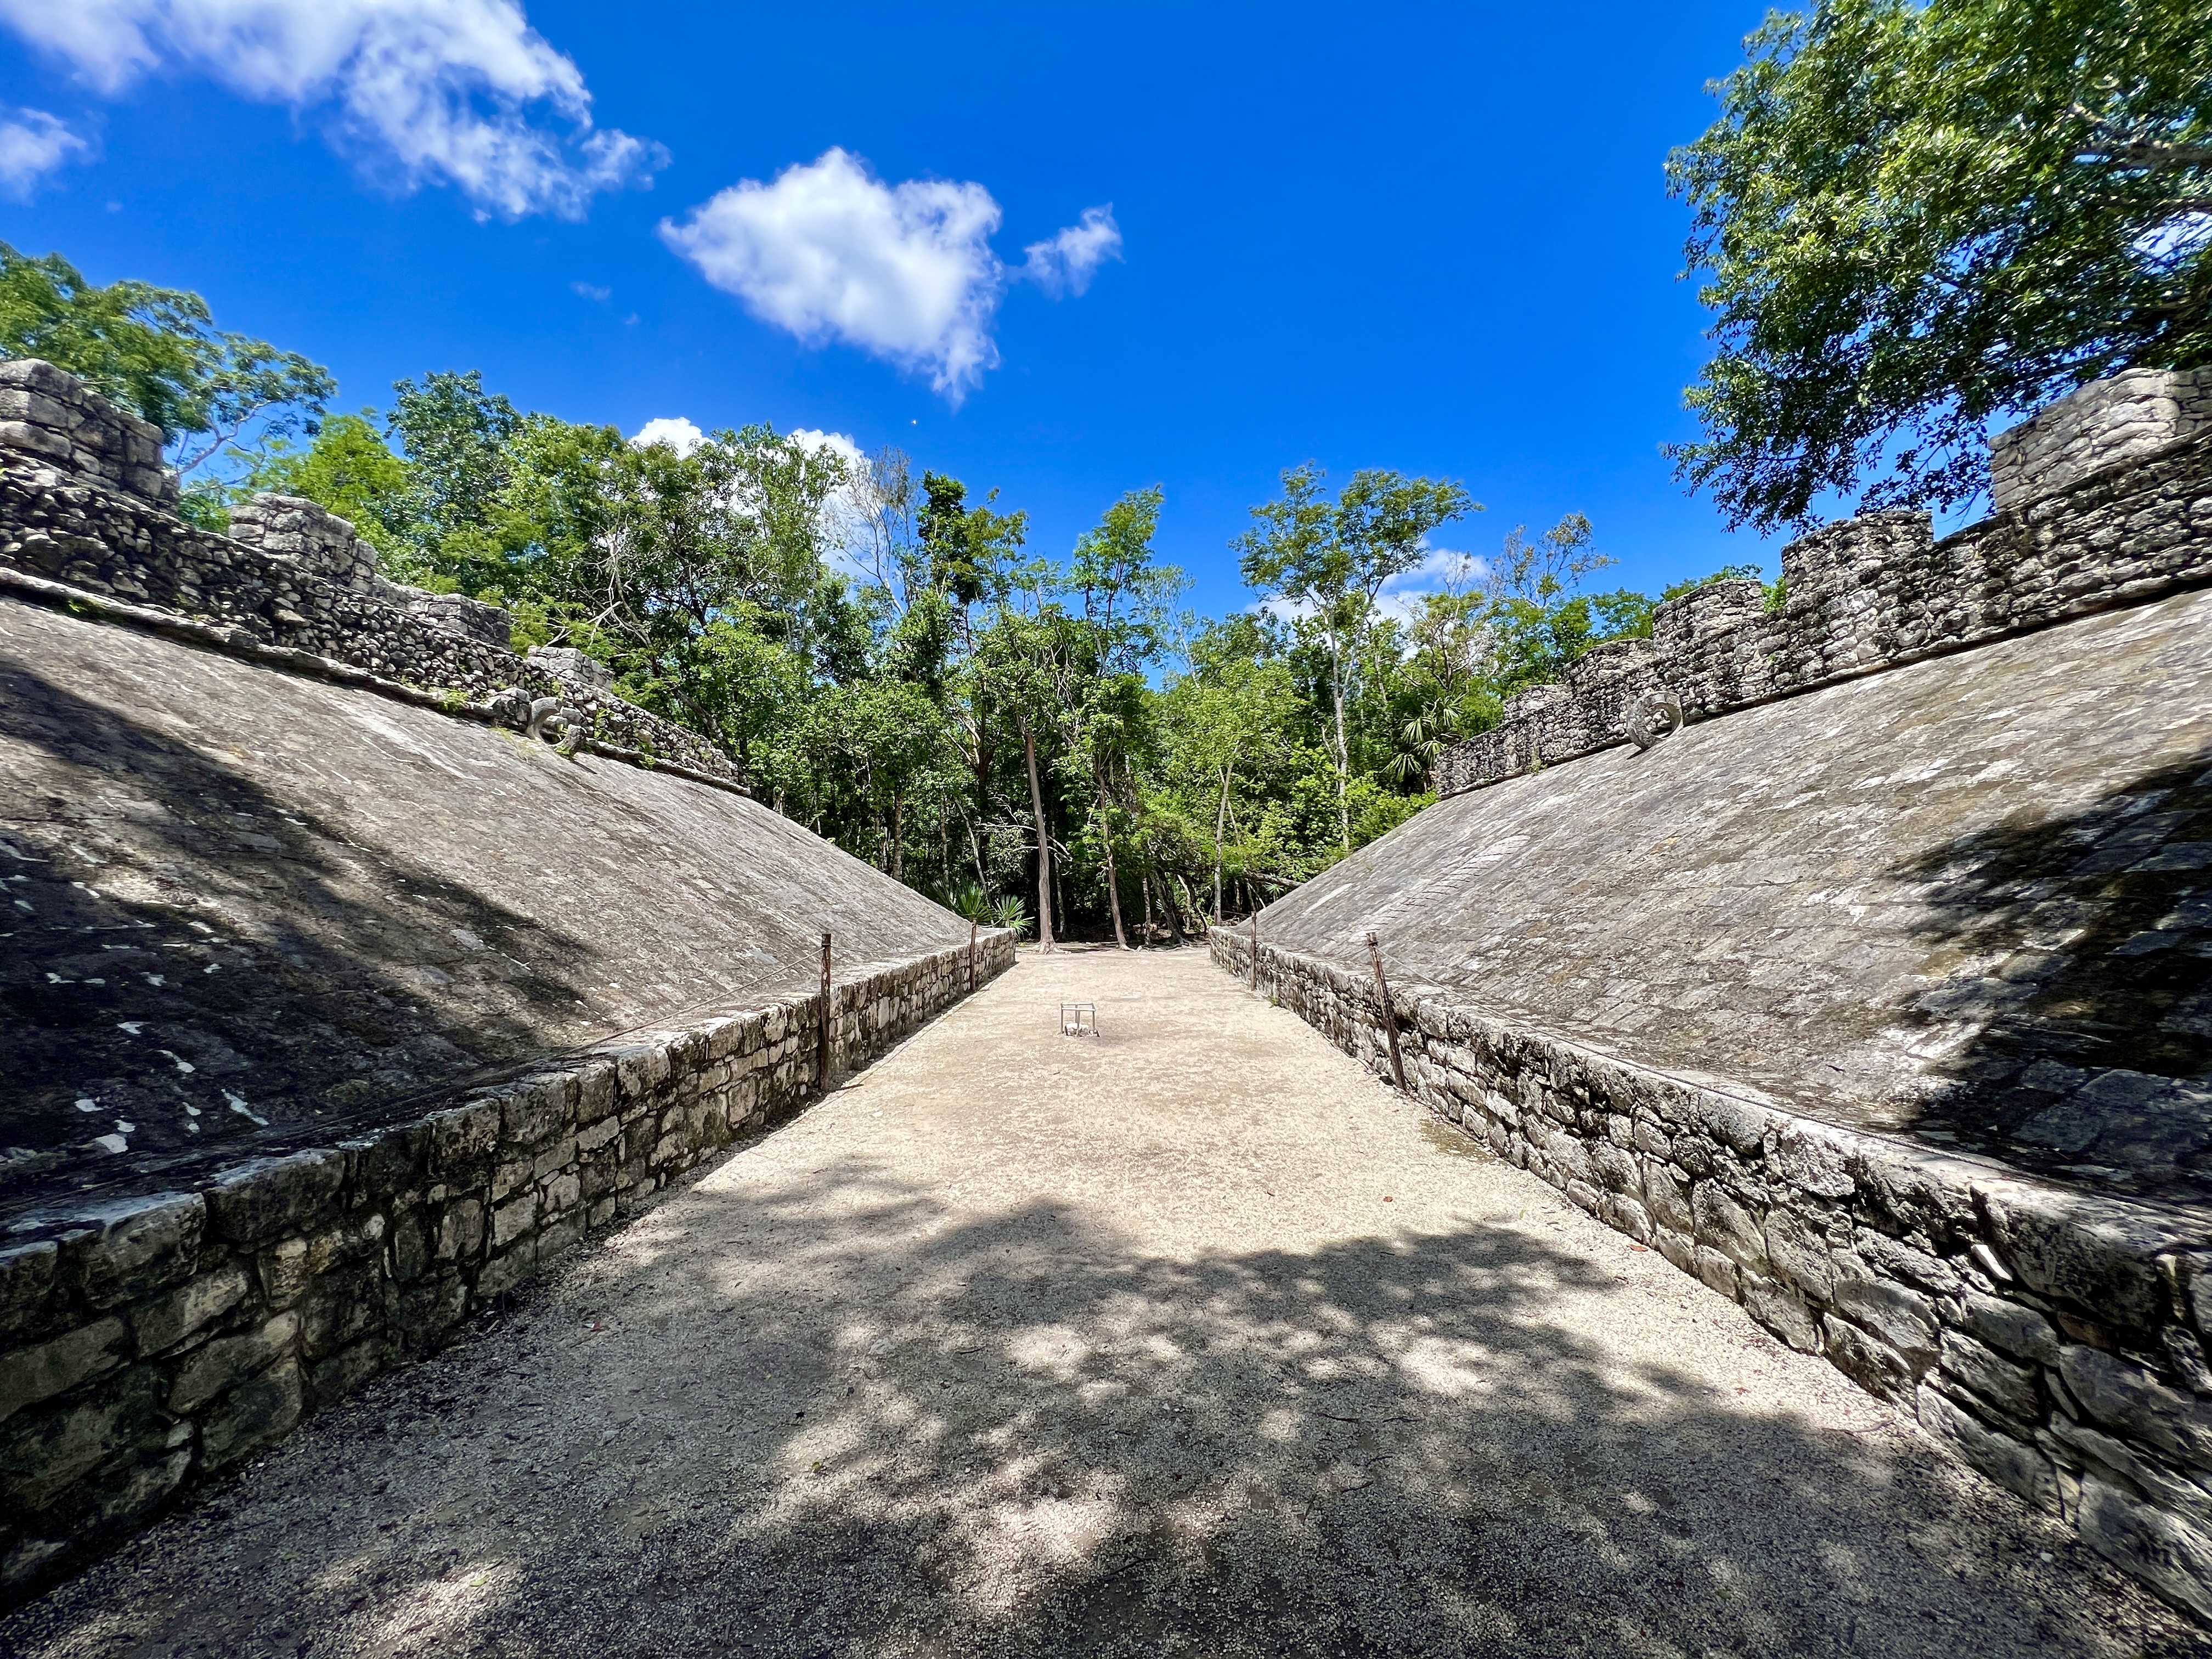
<point>291,574</point>
<point>2135,413</point>
<point>2104,500</point>
<point>58,421</point>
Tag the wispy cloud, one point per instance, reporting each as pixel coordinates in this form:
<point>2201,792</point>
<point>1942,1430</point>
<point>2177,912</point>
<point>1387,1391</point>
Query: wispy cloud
<point>906,272</point>
<point>1063,262</point>
<point>34,143</point>
<point>460,91</point>
<point>594,291</point>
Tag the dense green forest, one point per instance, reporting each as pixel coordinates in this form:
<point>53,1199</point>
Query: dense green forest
<point>883,650</point>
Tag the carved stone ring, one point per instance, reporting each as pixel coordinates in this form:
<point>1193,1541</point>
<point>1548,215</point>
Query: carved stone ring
<point>1651,717</point>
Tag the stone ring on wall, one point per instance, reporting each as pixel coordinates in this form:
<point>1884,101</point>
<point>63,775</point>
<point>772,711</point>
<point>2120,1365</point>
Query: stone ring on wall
<point>1652,717</point>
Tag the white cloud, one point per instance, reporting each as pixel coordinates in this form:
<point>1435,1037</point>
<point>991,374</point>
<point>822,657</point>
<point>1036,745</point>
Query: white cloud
<point>425,89</point>
<point>1063,263</point>
<point>593,291</point>
<point>32,143</point>
<point>1440,571</point>
<point>678,434</point>
<point>829,251</point>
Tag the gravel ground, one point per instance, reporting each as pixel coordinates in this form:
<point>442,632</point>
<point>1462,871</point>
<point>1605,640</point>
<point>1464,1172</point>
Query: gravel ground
<point>1190,1337</point>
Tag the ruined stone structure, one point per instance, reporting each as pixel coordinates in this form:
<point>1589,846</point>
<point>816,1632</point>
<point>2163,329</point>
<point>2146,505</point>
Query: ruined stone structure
<point>356,967</point>
<point>2097,501</point>
<point>1861,960</point>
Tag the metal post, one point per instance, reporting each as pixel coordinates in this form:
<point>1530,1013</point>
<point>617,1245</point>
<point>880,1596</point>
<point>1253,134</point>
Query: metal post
<point>822,1034</point>
<point>1390,1013</point>
<point>971,958</point>
<point>1256,950</point>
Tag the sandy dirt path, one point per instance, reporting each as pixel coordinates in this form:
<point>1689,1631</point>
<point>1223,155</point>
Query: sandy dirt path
<point>1187,1338</point>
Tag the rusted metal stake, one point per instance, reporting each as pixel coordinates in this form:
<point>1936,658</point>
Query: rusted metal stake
<point>1256,950</point>
<point>822,1033</point>
<point>971,958</point>
<point>1390,1013</point>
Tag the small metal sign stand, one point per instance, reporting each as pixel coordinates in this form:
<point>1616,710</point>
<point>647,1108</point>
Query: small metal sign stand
<point>1078,1019</point>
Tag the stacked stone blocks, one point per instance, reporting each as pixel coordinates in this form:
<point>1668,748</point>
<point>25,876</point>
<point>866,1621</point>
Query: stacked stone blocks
<point>149,1340</point>
<point>72,432</point>
<point>2106,524</point>
<point>275,589</point>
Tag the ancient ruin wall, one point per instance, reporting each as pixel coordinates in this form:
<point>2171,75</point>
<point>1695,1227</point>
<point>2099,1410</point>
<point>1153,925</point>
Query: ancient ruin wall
<point>2104,500</point>
<point>357,903</point>
<point>2053,1339</point>
<point>1882,1010</point>
<point>149,1341</point>
<point>293,578</point>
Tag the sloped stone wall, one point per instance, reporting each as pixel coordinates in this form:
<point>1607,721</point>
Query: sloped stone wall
<point>149,1339</point>
<point>1880,591</point>
<point>2054,1341</point>
<point>95,540</point>
<point>2131,414</point>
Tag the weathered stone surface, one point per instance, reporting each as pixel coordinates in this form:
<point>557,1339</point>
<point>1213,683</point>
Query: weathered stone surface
<point>30,1374</point>
<point>274,1196</point>
<point>226,1361</point>
<point>26,1278</point>
<point>486,901</point>
<point>2126,1398</point>
<point>2011,1464</point>
<point>168,1320</point>
<point>253,1415</point>
<point>136,1245</point>
<point>2152,1544</point>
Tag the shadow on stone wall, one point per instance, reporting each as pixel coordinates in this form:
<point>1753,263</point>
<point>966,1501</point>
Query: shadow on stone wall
<point>208,964</point>
<point>838,1417</point>
<point>2078,1005</point>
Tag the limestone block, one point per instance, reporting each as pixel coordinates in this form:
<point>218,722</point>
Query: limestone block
<point>253,1414</point>
<point>1867,1360</point>
<point>2008,1387</point>
<point>2153,1545</point>
<point>26,1278</point>
<point>2132,1402</point>
<point>1903,1318</point>
<point>2021,1332</point>
<point>2013,1464</point>
<point>1727,1226</point>
<point>269,1196</point>
<point>1782,1310</point>
<point>167,1320</point>
<point>44,1454</point>
<point>30,1374</point>
<point>223,1364</point>
<point>2102,1257</point>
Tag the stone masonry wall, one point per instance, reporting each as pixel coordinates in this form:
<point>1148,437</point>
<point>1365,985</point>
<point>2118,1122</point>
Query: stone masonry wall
<point>149,1340</point>
<point>277,587</point>
<point>66,426</point>
<point>2054,1341</point>
<point>2129,415</point>
<point>1878,591</point>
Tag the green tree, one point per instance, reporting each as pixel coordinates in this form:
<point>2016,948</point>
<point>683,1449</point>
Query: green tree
<point>157,352</point>
<point>1913,218</point>
<point>1334,558</point>
<point>348,469</point>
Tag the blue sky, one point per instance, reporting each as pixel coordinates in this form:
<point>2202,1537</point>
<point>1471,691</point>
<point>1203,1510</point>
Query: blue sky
<point>1427,237</point>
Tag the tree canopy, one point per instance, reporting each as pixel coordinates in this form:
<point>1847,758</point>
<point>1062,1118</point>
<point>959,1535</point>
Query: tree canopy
<point>1913,218</point>
<point>157,352</point>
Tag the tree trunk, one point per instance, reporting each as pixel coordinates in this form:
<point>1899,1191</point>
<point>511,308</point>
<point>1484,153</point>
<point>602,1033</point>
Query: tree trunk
<point>1343,749</point>
<point>1044,841</point>
<point>1220,827</point>
<point>1113,886</point>
<point>898,837</point>
<point>1144,887</point>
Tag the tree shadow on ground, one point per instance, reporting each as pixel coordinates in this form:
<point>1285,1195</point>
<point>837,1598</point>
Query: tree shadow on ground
<point>839,1417</point>
<point>2075,1026</point>
<point>214,965</point>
